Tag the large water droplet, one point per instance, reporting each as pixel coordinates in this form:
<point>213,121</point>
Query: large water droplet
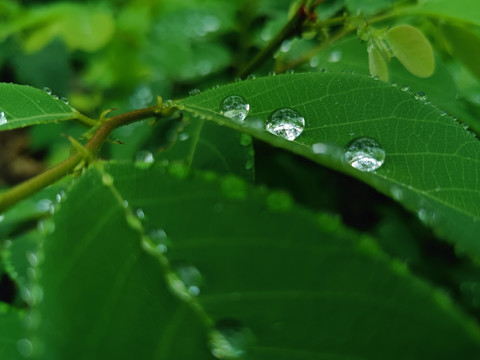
<point>230,340</point>
<point>190,277</point>
<point>286,123</point>
<point>365,154</point>
<point>3,118</point>
<point>144,159</point>
<point>235,107</point>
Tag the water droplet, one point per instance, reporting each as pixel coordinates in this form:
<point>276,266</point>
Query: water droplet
<point>25,347</point>
<point>45,205</point>
<point>160,239</point>
<point>64,100</point>
<point>183,136</point>
<point>47,90</point>
<point>421,96</point>
<point>190,277</point>
<point>3,118</point>
<point>404,88</point>
<point>272,73</point>
<point>365,154</point>
<point>426,216</point>
<point>60,196</point>
<point>194,92</point>
<point>335,56</point>
<point>397,193</point>
<point>290,71</point>
<point>2,217</point>
<point>251,77</point>
<point>286,123</point>
<point>238,79</point>
<point>140,214</point>
<point>285,46</point>
<point>230,340</point>
<point>234,107</point>
<point>32,258</point>
<point>144,159</point>
<point>314,61</point>
<point>245,140</point>
<point>125,203</point>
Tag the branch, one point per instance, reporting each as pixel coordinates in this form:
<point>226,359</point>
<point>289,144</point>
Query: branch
<point>37,183</point>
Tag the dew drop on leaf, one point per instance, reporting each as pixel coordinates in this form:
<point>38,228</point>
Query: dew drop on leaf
<point>286,123</point>
<point>25,347</point>
<point>3,118</point>
<point>230,339</point>
<point>190,276</point>
<point>335,56</point>
<point>234,107</point>
<point>144,159</point>
<point>420,96</point>
<point>47,90</point>
<point>140,214</point>
<point>365,154</point>
<point>160,239</point>
<point>194,92</point>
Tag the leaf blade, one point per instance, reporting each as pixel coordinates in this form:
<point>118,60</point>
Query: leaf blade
<point>23,106</point>
<point>432,163</point>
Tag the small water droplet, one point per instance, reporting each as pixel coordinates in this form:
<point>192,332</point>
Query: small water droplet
<point>314,61</point>
<point>3,118</point>
<point>285,46</point>
<point>125,203</point>
<point>426,216</point>
<point>64,100</point>
<point>290,71</point>
<point>144,159</point>
<point>238,79</point>
<point>365,154</point>
<point>47,90</point>
<point>25,347</point>
<point>2,217</point>
<point>45,205</point>
<point>160,239</point>
<point>234,107</point>
<point>183,136</point>
<point>230,340</point>
<point>60,196</point>
<point>397,193</point>
<point>421,96</point>
<point>245,140</point>
<point>251,77</point>
<point>194,92</point>
<point>190,276</point>
<point>140,214</point>
<point>272,73</point>
<point>286,123</point>
<point>404,88</point>
<point>335,56</point>
<point>323,70</point>
<point>32,258</point>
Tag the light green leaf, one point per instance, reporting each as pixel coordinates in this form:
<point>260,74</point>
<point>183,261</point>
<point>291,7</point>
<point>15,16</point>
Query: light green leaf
<point>368,7</point>
<point>22,106</point>
<point>105,297</point>
<point>377,63</point>
<point>454,11</point>
<point>294,283</point>
<point>412,49</point>
<point>431,162</point>
<point>12,332</point>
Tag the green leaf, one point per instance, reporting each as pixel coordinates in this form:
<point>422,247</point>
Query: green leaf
<point>105,297</point>
<point>412,49</point>
<point>432,163</point>
<point>455,11</point>
<point>22,106</point>
<point>464,44</point>
<point>368,7</point>
<point>11,332</point>
<point>377,63</point>
<point>293,283</point>
<point>205,146</point>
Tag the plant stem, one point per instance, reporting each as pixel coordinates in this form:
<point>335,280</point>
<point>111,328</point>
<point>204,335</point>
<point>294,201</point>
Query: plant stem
<point>31,186</point>
<point>290,29</point>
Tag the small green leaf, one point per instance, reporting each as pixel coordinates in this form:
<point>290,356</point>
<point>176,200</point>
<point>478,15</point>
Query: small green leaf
<point>412,49</point>
<point>377,63</point>
<point>22,106</point>
<point>430,164</point>
<point>465,11</point>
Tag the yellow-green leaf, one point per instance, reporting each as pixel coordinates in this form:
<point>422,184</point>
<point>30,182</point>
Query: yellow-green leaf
<point>376,63</point>
<point>412,49</point>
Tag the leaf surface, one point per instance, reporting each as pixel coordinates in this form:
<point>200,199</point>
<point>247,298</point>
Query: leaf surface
<point>22,106</point>
<point>302,285</point>
<point>432,164</point>
<point>455,11</point>
<point>105,297</point>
